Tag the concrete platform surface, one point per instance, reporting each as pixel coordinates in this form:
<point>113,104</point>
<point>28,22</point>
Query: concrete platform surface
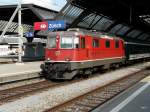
<point>135,99</point>
<point>19,71</point>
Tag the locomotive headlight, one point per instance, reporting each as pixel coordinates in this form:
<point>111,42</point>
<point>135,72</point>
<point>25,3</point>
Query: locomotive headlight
<point>48,59</point>
<point>67,59</point>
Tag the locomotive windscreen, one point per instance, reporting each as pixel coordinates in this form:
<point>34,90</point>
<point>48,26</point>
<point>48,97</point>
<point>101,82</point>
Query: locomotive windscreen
<point>51,41</point>
<point>65,41</point>
<point>69,42</point>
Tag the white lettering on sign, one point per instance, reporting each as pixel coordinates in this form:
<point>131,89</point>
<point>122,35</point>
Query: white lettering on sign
<point>54,25</point>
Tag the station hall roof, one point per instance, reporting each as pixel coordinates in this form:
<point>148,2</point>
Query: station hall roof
<point>30,14</point>
<point>129,19</point>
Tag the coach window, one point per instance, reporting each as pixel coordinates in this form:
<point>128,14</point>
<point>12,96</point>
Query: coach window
<point>107,44</point>
<point>95,43</point>
<point>82,42</point>
<point>116,44</point>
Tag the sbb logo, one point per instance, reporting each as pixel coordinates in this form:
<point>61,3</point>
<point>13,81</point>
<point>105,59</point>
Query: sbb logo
<point>40,26</point>
<point>43,26</point>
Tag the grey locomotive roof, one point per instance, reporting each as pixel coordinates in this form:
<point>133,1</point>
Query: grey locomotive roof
<point>78,31</point>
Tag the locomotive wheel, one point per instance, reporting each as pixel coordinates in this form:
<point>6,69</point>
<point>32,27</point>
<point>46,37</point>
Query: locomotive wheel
<point>115,66</point>
<point>87,73</point>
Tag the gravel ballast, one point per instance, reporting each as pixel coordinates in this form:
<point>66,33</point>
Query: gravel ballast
<point>52,97</point>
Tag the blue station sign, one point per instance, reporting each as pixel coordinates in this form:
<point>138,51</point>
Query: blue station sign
<point>54,25</point>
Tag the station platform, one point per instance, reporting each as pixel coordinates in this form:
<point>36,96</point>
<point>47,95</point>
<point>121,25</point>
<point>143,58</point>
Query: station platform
<point>135,99</point>
<point>19,71</point>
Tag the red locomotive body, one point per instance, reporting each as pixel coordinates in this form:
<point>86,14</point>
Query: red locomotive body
<point>69,53</point>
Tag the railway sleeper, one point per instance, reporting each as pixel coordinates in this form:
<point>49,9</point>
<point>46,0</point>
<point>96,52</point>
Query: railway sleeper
<point>94,98</point>
<point>70,109</point>
<point>88,100</point>
<point>85,104</point>
<point>79,108</point>
<point>94,101</point>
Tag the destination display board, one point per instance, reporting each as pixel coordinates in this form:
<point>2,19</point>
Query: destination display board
<point>50,25</point>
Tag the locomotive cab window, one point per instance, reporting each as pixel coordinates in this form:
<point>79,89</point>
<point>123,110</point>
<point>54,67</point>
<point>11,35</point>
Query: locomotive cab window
<point>66,42</point>
<point>51,42</point>
<point>107,44</point>
<point>69,42</point>
<point>95,43</point>
<point>116,44</point>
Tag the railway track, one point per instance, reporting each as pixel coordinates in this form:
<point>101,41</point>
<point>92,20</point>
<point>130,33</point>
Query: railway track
<point>12,94</point>
<point>13,91</point>
<point>18,83</point>
<point>93,99</point>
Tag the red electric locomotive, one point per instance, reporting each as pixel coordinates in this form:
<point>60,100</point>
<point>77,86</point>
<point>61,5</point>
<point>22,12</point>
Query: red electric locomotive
<point>75,51</point>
